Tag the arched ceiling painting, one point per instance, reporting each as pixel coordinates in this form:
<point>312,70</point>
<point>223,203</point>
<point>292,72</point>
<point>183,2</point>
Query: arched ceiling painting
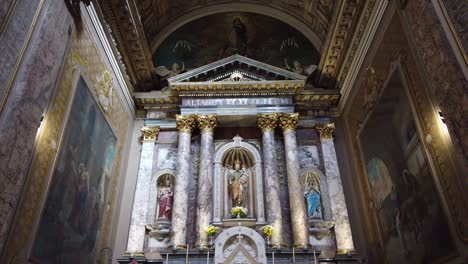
<point>217,36</point>
<point>141,30</point>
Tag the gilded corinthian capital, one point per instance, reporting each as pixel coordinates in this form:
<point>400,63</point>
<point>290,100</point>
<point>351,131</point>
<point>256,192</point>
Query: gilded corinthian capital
<point>207,123</point>
<point>185,123</point>
<point>150,134</point>
<point>288,121</point>
<point>325,130</point>
<point>267,122</point>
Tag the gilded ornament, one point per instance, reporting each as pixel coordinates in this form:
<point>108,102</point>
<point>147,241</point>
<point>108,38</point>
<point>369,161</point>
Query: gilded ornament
<point>150,134</point>
<point>267,122</point>
<point>325,131</point>
<point>185,123</point>
<point>207,123</point>
<point>288,121</point>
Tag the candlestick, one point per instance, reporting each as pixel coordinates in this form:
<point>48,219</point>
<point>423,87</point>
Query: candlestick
<point>273,255</point>
<point>294,256</point>
<point>167,258</point>
<point>315,258</point>
<point>186,254</point>
<point>208,256</point>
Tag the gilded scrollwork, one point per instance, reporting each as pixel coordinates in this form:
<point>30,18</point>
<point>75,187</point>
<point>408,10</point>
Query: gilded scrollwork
<point>150,134</point>
<point>207,122</point>
<point>185,123</point>
<point>325,131</point>
<point>267,122</point>
<point>288,122</point>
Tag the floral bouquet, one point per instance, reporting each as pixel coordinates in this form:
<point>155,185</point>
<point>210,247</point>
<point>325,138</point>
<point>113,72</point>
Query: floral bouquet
<point>211,230</point>
<point>239,212</point>
<point>267,230</point>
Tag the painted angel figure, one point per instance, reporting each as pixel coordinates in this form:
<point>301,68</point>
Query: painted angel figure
<point>166,73</point>
<point>298,68</point>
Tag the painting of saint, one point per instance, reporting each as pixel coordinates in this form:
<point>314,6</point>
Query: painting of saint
<point>404,196</point>
<point>77,199</point>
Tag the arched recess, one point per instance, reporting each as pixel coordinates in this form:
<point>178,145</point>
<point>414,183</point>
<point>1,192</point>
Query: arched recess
<point>153,197</point>
<point>236,7</point>
<point>249,237</point>
<point>324,194</point>
<point>218,181</point>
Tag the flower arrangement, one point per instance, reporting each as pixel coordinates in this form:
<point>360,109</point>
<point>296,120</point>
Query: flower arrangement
<point>267,230</point>
<point>239,212</point>
<point>212,230</point>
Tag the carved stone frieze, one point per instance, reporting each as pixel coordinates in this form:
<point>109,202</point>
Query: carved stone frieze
<point>122,18</point>
<point>338,43</point>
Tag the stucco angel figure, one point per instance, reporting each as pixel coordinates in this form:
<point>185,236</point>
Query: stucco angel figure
<point>168,73</point>
<point>238,179</point>
<point>298,68</point>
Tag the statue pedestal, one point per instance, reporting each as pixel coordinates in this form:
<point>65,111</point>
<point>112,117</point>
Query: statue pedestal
<point>159,234</point>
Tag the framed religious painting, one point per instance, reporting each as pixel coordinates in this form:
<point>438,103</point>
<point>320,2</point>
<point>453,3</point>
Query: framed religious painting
<point>68,230</point>
<point>403,190</point>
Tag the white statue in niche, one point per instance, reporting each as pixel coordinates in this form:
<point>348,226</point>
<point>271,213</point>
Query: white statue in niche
<point>238,184</point>
<point>168,73</point>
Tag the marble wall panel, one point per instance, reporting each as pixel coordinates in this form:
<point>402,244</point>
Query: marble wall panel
<point>166,157</point>
<point>15,36</point>
<point>29,95</point>
<point>308,157</point>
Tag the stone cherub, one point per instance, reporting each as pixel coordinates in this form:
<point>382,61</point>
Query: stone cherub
<point>298,68</point>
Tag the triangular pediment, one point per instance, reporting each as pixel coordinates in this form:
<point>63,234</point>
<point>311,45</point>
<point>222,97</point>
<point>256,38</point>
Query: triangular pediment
<point>236,72</point>
<point>236,68</point>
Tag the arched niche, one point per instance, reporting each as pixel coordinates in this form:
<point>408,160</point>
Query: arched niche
<point>220,196</point>
<point>153,199</point>
<point>240,239</point>
<point>314,174</point>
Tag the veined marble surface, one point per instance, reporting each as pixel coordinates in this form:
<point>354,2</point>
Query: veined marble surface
<point>136,234</point>
<point>205,190</point>
<point>272,187</point>
<point>344,239</point>
<point>179,214</point>
<point>296,197</point>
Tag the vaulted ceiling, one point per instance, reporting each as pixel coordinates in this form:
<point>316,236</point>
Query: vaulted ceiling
<point>138,27</point>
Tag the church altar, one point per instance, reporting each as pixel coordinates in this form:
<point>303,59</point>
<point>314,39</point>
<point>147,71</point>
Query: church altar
<point>238,165</point>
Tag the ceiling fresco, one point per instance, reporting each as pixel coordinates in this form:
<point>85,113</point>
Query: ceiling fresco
<point>217,36</point>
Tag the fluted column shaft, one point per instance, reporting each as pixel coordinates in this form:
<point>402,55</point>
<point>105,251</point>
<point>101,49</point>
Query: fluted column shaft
<point>185,125</point>
<point>206,124</point>
<point>344,239</point>
<point>288,123</point>
<point>136,236</point>
<point>268,122</point>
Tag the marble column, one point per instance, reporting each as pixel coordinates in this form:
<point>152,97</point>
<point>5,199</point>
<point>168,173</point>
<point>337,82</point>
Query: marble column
<point>288,123</point>
<point>344,239</point>
<point>136,236</point>
<point>185,125</point>
<point>267,123</point>
<point>206,124</point>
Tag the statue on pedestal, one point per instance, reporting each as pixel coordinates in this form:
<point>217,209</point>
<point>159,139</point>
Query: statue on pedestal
<point>312,196</point>
<point>238,180</point>
<point>165,199</point>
